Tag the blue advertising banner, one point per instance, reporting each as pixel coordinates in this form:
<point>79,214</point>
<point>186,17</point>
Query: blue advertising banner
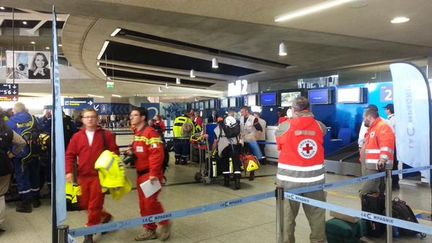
<point>153,109</point>
<point>78,103</point>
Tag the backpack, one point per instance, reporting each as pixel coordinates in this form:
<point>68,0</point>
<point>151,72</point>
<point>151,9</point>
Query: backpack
<point>374,203</point>
<point>231,127</point>
<point>32,136</point>
<point>5,144</point>
<point>401,210</point>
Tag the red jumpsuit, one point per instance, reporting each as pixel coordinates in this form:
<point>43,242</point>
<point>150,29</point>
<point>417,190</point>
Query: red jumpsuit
<point>92,197</point>
<point>148,148</point>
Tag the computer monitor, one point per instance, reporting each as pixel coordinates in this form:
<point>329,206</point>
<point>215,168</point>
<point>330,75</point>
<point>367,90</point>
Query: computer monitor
<point>287,98</point>
<point>224,103</point>
<point>233,102</point>
<point>350,95</point>
<point>268,99</point>
<point>319,96</point>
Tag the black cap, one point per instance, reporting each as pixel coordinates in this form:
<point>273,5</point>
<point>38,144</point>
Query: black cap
<point>389,107</point>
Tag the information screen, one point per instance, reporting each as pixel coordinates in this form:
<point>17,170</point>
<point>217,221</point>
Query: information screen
<point>268,99</point>
<point>319,96</point>
<point>288,98</point>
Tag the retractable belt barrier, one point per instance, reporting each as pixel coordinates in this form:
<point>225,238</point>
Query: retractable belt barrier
<point>290,194</point>
<point>361,214</point>
<point>170,215</point>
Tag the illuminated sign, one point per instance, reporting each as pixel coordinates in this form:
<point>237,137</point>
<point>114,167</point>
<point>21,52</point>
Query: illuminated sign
<point>239,87</point>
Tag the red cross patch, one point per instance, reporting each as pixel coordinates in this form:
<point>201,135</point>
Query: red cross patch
<point>307,148</point>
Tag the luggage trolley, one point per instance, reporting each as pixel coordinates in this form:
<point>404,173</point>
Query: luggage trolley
<point>201,143</point>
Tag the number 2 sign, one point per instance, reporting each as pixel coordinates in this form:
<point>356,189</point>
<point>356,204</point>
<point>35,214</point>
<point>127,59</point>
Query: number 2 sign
<point>386,95</point>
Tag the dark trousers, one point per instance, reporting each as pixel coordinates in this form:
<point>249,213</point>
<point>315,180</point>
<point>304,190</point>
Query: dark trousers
<point>27,178</point>
<point>182,149</point>
<point>232,152</point>
<point>395,178</point>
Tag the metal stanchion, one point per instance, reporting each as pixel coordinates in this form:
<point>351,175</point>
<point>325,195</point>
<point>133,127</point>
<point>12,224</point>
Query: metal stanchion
<point>280,214</point>
<point>62,233</point>
<point>388,203</point>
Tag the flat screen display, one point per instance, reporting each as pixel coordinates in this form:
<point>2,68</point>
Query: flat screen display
<point>268,99</point>
<point>233,102</point>
<point>319,96</point>
<point>250,100</point>
<point>206,104</point>
<point>287,98</point>
<point>201,105</point>
<point>350,95</point>
<point>211,104</point>
<point>224,103</point>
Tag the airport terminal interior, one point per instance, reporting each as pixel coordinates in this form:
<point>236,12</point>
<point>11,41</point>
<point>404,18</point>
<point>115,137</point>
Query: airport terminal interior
<point>363,66</point>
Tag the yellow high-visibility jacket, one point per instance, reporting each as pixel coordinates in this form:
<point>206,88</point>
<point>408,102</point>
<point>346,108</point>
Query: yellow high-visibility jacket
<point>112,175</point>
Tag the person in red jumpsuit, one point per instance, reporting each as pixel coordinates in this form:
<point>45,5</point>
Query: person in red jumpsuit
<point>85,147</point>
<point>148,149</point>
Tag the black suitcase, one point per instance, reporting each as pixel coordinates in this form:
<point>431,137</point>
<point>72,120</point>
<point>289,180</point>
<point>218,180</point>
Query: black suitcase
<point>374,203</point>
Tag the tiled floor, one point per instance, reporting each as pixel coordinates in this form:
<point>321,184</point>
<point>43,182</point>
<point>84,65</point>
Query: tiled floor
<point>254,222</point>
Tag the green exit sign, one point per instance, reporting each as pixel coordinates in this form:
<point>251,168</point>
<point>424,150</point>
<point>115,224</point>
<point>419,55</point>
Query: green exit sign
<point>110,85</point>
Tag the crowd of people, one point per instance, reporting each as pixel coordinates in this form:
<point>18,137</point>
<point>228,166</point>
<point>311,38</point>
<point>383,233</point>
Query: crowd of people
<point>299,139</point>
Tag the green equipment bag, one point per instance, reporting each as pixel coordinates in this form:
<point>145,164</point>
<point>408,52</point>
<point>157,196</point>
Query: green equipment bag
<point>339,231</point>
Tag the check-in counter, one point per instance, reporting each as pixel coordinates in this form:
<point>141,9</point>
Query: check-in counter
<point>271,151</point>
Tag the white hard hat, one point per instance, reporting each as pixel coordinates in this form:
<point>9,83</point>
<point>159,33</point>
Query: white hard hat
<point>230,121</point>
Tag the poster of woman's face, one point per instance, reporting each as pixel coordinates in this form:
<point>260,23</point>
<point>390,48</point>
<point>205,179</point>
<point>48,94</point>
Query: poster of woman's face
<point>28,66</point>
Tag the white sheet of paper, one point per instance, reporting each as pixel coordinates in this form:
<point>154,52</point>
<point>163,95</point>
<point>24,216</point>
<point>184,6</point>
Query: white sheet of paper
<point>149,188</point>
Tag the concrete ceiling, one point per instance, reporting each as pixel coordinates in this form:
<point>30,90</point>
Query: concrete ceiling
<point>351,35</point>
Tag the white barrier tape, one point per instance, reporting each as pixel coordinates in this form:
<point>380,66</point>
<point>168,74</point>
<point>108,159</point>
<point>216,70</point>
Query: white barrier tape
<point>360,214</point>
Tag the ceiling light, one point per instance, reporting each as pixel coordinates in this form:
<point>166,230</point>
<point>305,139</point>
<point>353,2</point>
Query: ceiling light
<point>166,85</point>
<point>399,20</point>
<point>115,32</point>
<point>32,42</point>
<point>192,73</point>
<point>215,63</point>
<point>24,22</point>
<point>116,95</point>
<point>102,50</point>
<point>47,47</point>
<point>96,96</point>
<point>178,81</point>
<point>310,10</point>
<point>60,45</point>
<point>160,89</point>
<point>282,49</point>
<point>2,8</point>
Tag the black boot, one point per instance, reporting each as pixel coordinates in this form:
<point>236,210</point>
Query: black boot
<point>88,239</point>
<point>226,180</point>
<point>252,175</point>
<point>24,206</point>
<point>237,181</point>
<point>36,202</point>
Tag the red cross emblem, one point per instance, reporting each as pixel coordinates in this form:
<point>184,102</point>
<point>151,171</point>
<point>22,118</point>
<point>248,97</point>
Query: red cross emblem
<point>307,148</point>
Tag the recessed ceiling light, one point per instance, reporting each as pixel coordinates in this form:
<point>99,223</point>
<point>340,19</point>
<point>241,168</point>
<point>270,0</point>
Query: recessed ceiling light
<point>116,95</point>
<point>399,20</point>
<point>60,45</point>
<point>32,42</point>
<point>47,47</point>
<point>115,32</point>
<point>311,10</point>
<point>24,22</point>
<point>2,8</point>
<point>178,81</point>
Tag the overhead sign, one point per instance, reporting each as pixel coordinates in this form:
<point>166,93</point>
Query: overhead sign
<point>152,108</point>
<point>8,92</point>
<point>78,103</point>
<point>239,87</point>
